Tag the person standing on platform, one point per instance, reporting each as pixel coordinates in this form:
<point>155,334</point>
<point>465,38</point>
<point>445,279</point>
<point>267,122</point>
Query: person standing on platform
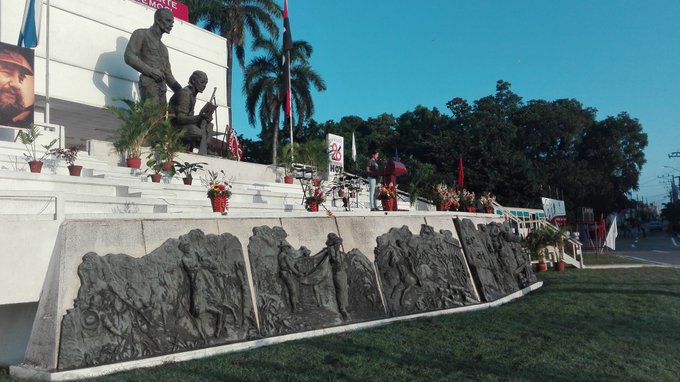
<point>371,168</point>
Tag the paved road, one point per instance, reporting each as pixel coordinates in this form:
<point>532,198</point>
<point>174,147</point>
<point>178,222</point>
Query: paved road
<point>656,247</point>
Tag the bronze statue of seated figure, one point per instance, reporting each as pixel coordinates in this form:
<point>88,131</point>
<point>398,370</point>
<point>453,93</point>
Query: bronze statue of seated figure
<point>198,128</point>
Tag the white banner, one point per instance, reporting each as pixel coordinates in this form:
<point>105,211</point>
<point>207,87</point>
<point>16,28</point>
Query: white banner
<point>554,208</point>
<point>336,147</point>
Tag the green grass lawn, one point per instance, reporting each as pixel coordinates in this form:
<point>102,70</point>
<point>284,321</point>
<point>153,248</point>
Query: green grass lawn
<point>583,325</point>
<point>606,259</point>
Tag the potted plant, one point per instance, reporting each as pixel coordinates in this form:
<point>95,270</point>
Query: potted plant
<point>187,169</point>
<point>487,199</point>
<point>315,195</point>
<point>388,196</point>
<point>557,239</point>
<point>442,196</point>
<point>286,160</point>
<point>537,243</point>
<point>138,119</point>
<point>467,201</point>
<point>166,141</point>
<point>70,155</point>
<point>219,191</point>
<point>157,167</point>
<point>29,137</point>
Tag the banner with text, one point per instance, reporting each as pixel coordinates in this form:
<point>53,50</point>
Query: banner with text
<point>335,150</point>
<point>555,211</point>
<point>178,9</point>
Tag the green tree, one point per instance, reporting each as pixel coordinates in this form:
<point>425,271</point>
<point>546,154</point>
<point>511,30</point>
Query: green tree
<point>614,152</point>
<point>233,19</point>
<point>263,87</point>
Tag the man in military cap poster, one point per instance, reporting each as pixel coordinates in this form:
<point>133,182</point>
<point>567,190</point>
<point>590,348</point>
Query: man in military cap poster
<point>16,86</point>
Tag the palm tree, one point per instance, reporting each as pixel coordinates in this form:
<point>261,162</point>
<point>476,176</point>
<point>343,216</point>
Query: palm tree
<point>263,86</point>
<point>231,19</point>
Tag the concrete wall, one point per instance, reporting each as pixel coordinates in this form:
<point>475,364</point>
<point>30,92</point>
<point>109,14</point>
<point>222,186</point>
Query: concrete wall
<point>87,41</point>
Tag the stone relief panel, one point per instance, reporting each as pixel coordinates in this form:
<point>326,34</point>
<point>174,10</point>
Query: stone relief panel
<point>189,293</point>
<point>498,263</point>
<point>424,272</point>
<point>297,291</point>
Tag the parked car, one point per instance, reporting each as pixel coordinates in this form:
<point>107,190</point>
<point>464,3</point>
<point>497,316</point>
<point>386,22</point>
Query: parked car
<point>655,225</point>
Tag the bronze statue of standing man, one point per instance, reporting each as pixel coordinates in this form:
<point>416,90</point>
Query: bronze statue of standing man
<point>149,56</point>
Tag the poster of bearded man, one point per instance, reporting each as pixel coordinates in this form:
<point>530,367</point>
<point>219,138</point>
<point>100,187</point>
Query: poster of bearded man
<point>17,96</point>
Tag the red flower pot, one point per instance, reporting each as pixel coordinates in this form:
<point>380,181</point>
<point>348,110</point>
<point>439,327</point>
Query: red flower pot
<point>134,162</point>
<point>488,210</point>
<point>389,204</point>
<point>471,209</point>
<point>187,181</point>
<point>35,165</point>
<point>559,266</point>
<point>156,178</point>
<point>220,203</point>
<point>75,170</point>
<point>313,207</point>
<point>341,193</point>
<point>541,266</point>
<point>288,179</point>
<point>441,207</point>
<point>352,194</point>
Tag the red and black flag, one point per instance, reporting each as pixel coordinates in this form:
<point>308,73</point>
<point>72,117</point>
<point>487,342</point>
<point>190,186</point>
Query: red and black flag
<point>287,46</point>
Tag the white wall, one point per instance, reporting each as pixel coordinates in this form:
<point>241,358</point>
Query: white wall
<point>87,41</point>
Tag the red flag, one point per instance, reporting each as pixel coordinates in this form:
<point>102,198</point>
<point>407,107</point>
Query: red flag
<point>287,46</point>
<point>601,228</point>
<point>461,173</point>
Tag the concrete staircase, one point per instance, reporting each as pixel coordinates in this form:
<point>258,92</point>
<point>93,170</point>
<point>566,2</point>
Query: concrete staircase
<point>103,188</point>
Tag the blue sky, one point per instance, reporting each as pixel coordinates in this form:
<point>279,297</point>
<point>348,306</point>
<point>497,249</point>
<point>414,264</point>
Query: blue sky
<point>391,55</point>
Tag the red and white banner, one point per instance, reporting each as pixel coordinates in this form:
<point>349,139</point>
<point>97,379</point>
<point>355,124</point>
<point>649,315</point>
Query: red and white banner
<point>335,150</point>
<point>178,9</point>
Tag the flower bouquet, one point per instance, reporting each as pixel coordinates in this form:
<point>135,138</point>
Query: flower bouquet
<point>467,200</point>
<point>219,191</point>
<point>442,196</point>
<point>388,197</point>
<point>487,199</point>
<point>315,196</point>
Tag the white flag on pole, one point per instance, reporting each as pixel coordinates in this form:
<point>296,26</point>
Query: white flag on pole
<point>610,241</point>
<point>354,148</point>
<point>30,26</point>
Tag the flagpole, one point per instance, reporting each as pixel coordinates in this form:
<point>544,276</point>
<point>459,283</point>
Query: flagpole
<point>290,107</point>
<point>47,64</point>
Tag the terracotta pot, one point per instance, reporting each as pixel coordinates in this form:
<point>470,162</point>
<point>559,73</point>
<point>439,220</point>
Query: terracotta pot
<point>74,170</point>
<point>288,179</point>
<point>156,178</point>
<point>313,207</point>
<point>489,210</point>
<point>441,207</point>
<point>187,181</point>
<point>134,162</point>
<point>35,166</point>
<point>559,266</point>
<point>471,209</point>
<point>220,203</point>
<point>542,266</point>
